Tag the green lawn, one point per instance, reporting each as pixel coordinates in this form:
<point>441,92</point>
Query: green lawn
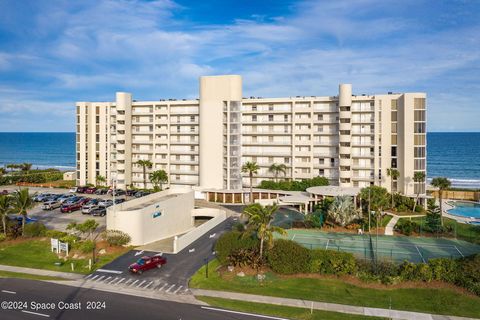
<point>36,253</point>
<point>436,301</point>
<point>8,274</point>
<point>279,311</point>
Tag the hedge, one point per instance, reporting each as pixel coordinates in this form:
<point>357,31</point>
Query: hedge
<point>331,262</point>
<point>36,177</point>
<point>232,241</point>
<point>288,257</point>
<point>293,185</point>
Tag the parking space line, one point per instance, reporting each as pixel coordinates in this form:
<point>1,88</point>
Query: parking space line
<point>121,280</point>
<point>133,283</point>
<point>99,279</point>
<point>128,281</point>
<point>165,284</point>
<point>186,290</point>
<point>112,280</point>
<point>107,279</point>
<point>141,283</point>
<point>91,274</point>
<point>148,285</point>
<point>178,289</point>
<point>168,290</point>
<point>94,277</point>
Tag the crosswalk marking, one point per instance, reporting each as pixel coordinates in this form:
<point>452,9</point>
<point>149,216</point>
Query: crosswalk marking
<point>165,284</point>
<point>178,289</point>
<point>141,283</point>
<point>121,280</point>
<point>133,283</point>
<point>148,285</point>
<point>99,279</point>
<point>170,288</point>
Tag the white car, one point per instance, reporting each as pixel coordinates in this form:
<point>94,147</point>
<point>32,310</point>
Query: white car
<point>88,208</point>
<point>105,203</point>
<point>73,190</point>
<point>50,205</point>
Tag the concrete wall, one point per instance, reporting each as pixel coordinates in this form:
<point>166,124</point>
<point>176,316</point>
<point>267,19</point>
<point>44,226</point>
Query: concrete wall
<point>185,240</point>
<point>176,216</point>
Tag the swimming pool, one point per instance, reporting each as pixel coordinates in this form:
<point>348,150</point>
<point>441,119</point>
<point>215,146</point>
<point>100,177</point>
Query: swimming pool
<point>465,209</point>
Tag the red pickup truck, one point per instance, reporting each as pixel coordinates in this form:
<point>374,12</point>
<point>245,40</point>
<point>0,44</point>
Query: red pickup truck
<point>146,263</point>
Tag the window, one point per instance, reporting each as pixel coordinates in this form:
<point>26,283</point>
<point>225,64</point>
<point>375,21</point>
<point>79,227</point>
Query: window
<point>394,163</point>
<point>192,158</point>
<point>394,128</point>
<point>320,117</point>
<point>254,118</point>
<point>419,115</point>
<point>270,138</point>
<point>192,148</point>
<point>177,157</point>
<point>285,118</point>
<point>419,103</point>
<point>270,117</point>
<point>394,104</point>
<point>178,129</point>
<point>419,164</point>
<point>420,127</point>
<point>192,118</point>
<point>344,120</point>
<point>254,107</point>
<point>270,107</point>
<point>286,160</point>
<point>192,129</point>
<point>394,151</point>
<point>321,172</point>
<point>419,139</point>
<point>321,161</point>
<point>394,115</point>
<point>419,152</point>
<point>394,139</point>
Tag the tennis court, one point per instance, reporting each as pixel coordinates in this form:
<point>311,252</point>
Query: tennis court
<point>396,249</point>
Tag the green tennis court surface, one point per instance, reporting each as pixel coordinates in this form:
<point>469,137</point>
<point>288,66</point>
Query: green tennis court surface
<point>396,249</point>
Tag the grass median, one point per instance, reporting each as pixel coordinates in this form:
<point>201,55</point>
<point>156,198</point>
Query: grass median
<point>429,300</point>
<point>280,311</point>
<point>8,274</point>
<point>36,253</point>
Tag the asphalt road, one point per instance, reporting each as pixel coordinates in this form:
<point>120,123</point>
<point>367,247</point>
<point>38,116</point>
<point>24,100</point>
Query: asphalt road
<point>29,299</point>
<point>172,277</point>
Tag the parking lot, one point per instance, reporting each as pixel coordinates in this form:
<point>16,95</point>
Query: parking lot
<point>54,219</point>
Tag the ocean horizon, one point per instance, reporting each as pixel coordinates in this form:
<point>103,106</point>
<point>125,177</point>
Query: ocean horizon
<point>455,155</point>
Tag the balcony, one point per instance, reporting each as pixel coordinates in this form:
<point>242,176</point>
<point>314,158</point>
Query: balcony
<point>363,132</point>
<point>185,142</point>
<point>183,171</point>
<point>363,155</point>
<point>363,120</point>
<point>363,143</point>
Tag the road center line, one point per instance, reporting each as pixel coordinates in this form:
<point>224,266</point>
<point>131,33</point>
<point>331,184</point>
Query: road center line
<point>243,313</point>
<point>11,292</point>
<point>36,313</point>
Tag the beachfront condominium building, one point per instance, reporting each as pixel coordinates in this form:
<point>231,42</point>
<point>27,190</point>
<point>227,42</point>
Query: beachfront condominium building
<point>350,139</point>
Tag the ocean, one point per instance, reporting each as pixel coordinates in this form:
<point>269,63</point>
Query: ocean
<point>453,155</point>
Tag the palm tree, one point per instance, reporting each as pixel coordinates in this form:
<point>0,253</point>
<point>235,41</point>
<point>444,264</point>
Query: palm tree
<point>145,164</point>
<point>442,184</point>
<point>25,166</point>
<point>158,177</point>
<point>100,180</point>
<point>22,201</point>
<point>393,174</point>
<point>342,210</point>
<point>2,171</point>
<point>419,177</point>
<point>277,169</point>
<point>5,208</point>
<point>251,168</point>
<point>259,221</point>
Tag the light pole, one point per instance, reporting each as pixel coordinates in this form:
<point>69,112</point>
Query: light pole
<point>206,267</point>
<point>369,212</point>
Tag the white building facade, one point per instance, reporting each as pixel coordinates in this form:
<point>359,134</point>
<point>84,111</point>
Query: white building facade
<point>350,139</point>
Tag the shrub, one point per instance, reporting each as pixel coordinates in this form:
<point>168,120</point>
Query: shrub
<point>86,246</point>
<point>407,227</point>
<point>238,226</point>
<point>419,208</point>
<point>116,238</point>
<point>288,257</point>
<point>34,229</point>
<point>331,262</point>
<point>232,241</point>
<point>402,208</point>
<point>468,275</point>
<point>70,239</point>
<point>2,237</point>
<point>56,234</point>
<point>293,185</point>
<point>443,269</point>
<point>244,257</point>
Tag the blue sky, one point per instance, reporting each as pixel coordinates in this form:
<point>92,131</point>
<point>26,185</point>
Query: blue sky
<point>54,52</point>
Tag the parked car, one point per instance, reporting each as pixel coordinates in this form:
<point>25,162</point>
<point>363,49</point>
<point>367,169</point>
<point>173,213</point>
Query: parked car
<point>4,192</point>
<point>64,197</point>
<point>89,206</point>
<point>105,203</point>
<point>20,218</point>
<point>52,204</point>
<point>99,211</point>
<point>72,200</point>
<point>73,190</point>
<point>118,192</point>
<point>101,191</point>
<point>117,201</point>
<point>81,189</point>
<point>146,263</point>
<point>90,190</point>
<point>41,197</point>
<point>66,208</point>
<point>131,192</point>
<point>140,194</point>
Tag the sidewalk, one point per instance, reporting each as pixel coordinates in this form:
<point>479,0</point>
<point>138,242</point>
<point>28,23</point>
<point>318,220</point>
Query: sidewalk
<point>377,312</point>
<point>41,272</point>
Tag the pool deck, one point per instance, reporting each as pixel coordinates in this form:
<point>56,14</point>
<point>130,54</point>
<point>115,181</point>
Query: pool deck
<point>447,206</point>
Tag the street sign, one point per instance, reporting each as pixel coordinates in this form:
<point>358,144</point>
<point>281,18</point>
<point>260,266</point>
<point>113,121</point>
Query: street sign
<point>54,245</point>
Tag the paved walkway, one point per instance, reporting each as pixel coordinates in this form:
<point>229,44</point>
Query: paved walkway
<point>391,224</point>
<point>41,272</point>
<point>377,312</point>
